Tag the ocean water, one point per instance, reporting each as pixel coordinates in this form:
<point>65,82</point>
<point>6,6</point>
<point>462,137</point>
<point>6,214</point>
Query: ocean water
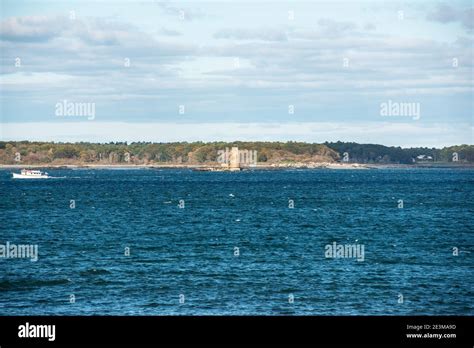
<point>185,261</point>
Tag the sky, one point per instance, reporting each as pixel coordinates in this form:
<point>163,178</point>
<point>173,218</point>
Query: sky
<point>229,70</point>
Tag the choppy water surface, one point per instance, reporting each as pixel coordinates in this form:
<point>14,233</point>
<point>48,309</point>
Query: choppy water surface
<point>281,251</point>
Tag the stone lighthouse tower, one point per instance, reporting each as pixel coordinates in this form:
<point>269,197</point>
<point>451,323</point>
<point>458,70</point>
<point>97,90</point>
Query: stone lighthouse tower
<point>234,159</point>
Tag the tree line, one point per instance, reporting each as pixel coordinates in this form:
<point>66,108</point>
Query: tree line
<point>373,153</point>
<point>27,152</point>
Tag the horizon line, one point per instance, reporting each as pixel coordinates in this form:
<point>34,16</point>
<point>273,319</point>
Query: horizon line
<point>127,143</point>
<point>395,134</point>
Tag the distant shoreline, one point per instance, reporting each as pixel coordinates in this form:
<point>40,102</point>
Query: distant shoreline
<point>280,166</point>
<point>211,156</point>
<point>202,167</point>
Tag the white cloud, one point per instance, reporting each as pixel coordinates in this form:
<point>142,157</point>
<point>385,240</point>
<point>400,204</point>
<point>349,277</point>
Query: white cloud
<point>445,13</point>
<point>31,28</point>
<point>263,34</point>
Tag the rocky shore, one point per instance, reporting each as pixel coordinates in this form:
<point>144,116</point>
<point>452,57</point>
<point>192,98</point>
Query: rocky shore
<point>203,167</point>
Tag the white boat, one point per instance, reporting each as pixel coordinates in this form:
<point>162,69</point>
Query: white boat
<point>30,174</point>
